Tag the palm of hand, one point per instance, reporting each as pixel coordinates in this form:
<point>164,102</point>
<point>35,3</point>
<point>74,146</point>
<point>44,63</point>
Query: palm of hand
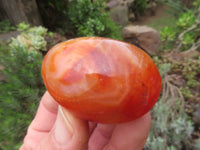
<point>54,128</point>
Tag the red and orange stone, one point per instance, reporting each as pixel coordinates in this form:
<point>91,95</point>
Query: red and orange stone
<point>101,79</point>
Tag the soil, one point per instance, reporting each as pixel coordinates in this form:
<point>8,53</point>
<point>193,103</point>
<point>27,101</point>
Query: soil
<point>6,36</point>
<point>160,15</point>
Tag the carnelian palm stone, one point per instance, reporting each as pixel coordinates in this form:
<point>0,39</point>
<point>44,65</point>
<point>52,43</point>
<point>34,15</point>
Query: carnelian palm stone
<point>101,79</point>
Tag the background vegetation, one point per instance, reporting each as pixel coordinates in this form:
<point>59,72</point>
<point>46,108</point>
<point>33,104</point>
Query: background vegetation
<point>173,125</point>
<point>22,88</point>
<point>79,18</point>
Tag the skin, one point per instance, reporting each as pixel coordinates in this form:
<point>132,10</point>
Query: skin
<point>55,128</point>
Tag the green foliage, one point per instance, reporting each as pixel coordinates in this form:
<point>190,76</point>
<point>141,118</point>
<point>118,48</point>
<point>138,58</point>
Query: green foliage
<point>186,20</point>
<point>22,88</point>
<point>168,33</point>
<point>39,30</point>
<point>169,128</point>
<point>6,26</point>
<point>172,116</point>
<point>196,3</point>
<point>30,39</point>
<point>91,27</point>
<point>188,39</point>
<point>139,6</point>
<point>164,69</point>
<point>22,26</point>
<point>172,127</point>
<point>51,34</point>
<point>163,64</point>
<point>54,13</point>
<point>186,92</point>
<point>191,71</point>
<point>79,18</point>
<point>197,144</point>
<point>183,34</point>
<point>90,19</point>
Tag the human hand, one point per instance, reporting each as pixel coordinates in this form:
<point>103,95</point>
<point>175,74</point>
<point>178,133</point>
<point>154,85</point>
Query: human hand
<point>54,128</point>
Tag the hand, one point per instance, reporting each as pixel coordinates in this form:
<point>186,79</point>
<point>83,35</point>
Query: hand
<point>54,128</point>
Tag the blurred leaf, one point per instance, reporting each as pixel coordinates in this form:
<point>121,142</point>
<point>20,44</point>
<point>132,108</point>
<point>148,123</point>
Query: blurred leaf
<point>164,69</point>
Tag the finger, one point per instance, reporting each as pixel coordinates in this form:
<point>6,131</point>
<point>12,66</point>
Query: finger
<point>69,132</point>
<point>100,136</point>
<point>42,123</point>
<point>92,126</point>
<point>46,115</point>
<point>131,135</point>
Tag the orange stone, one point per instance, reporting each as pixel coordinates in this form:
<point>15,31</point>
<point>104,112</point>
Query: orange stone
<point>101,79</point>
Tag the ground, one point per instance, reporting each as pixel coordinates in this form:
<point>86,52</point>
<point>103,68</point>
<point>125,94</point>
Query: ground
<point>160,18</point>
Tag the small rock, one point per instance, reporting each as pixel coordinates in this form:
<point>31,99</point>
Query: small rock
<point>119,15</point>
<point>6,36</point>
<point>126,2</point>
<point>144,36</point>
<point>113,3</point>
<point>130,2</point>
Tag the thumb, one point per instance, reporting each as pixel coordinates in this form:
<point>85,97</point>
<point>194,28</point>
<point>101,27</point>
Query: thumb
<point>68,133</point>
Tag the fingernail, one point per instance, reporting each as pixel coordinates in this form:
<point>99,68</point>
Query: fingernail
<point>63,128</point>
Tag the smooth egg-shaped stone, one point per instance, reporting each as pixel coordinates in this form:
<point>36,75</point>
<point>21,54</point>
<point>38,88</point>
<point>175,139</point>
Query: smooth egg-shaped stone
<point>101,79</point>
